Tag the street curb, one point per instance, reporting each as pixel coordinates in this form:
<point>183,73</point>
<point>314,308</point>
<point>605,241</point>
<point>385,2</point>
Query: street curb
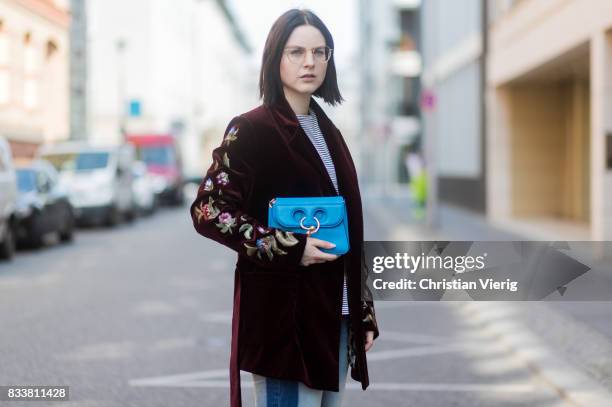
<point>502,320</point>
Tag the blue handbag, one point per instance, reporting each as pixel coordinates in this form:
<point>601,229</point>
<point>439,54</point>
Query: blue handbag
<point>323,217</point>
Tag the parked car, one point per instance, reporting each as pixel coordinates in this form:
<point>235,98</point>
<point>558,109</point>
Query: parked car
<point>98,180</point>
<point>43,206</point>
<point>161,154</point>
<point>145,198</point>
<point>8,196</point>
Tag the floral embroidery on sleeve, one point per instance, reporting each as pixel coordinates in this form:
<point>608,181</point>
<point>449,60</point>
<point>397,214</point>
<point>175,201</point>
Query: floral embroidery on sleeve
<point>222,190</point>
<point>352,346</point>
<point>208,185</point>
<point>231,136</point>
<point>226,222</point>
<point>369,321</point>
<point>269,245</point>
<point>369,318</point>
<point>286,238</point>
<point>247,228</point>
<point>222,178</point>
<point>207,211</point>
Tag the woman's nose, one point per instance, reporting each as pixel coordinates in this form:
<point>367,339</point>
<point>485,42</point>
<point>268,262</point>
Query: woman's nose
<point>309,59</point>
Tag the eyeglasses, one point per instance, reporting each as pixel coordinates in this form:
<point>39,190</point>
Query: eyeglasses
<point>296,55</point>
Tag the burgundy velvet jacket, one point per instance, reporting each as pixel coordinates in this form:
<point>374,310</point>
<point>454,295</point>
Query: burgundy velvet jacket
<point>286,318</point>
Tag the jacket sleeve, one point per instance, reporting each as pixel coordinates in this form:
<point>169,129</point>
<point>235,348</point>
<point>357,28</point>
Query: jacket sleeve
<point>368,314</point>
<point>369,318</point>
<point>218,211</point>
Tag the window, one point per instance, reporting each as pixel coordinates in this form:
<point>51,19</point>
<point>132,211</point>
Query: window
<point>51,49</point>
<point>409,98</point>
<point>409,30</point>
<point>26,180</point>
<point>84,161</point>
<point>30,93</point>
<point>30,61</point>
<point>31,81</point>
<point>157,155</point>
<point>5,86</point>
<point>4,46</point>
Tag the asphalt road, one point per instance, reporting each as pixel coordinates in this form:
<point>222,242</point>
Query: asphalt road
<point>140,315</point>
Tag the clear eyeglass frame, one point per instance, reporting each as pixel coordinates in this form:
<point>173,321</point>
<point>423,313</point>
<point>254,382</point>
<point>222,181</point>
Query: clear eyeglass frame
<point>296,55</point>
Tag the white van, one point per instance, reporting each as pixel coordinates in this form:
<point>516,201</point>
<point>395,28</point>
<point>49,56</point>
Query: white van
<point>98,179</point>
<point>8,197</point>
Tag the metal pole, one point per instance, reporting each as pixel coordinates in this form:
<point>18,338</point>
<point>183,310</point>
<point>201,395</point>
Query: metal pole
<point>121,44</point>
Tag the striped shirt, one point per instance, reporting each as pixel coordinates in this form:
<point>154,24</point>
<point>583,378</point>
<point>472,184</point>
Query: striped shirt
<point>311,128</point>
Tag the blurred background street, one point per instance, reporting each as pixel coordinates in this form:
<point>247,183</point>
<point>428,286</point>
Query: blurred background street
<point>467,120</point>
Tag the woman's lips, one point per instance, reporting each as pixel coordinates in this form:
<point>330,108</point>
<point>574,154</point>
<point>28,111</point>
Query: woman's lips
<point>308,77</point>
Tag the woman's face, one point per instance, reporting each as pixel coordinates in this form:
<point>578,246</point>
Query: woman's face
<point>304,37</point>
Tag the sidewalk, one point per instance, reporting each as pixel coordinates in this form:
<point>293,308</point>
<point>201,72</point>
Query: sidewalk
<point>455,223</point>
<point>579,333</point>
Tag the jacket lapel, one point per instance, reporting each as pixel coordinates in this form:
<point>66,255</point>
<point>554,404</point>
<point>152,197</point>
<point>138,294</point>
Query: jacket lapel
<point>336,150</point>
<point>297,139</point>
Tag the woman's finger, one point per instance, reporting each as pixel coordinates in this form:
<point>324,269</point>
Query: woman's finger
<point>369,340</point>
<point>327,257</point>
<point>323,243</point>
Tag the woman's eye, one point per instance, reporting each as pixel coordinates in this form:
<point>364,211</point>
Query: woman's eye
<point>320,52</point>
<point>297,52</point>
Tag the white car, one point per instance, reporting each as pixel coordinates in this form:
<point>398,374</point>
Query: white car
<point>98,179</point>
<point>145,198</point>
<point>8,198</point>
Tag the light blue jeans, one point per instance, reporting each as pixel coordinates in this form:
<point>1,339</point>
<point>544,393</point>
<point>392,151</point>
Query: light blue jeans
<point>287,393</point>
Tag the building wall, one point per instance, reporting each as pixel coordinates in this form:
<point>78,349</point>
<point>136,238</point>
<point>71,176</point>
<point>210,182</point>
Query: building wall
<point>188,82</point>
<point>387,62</point>
<point>79,119</point>
<point>561,50</point>
<point>34,98</point>
<point>453,52</point>
<point>227,79</point>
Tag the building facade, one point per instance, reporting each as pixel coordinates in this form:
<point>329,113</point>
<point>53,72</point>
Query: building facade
<point>154,68</point>
<point>34,95</point>
<point>390,88</point>
<point>549,138</point>
<point>78,70</point>
<point>453,48</point>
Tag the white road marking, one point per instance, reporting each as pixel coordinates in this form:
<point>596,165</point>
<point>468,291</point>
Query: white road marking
<point>12,282</point>
<point>223,317</point>
<point>125,349</point>
<point>154,308</point>
<point>188,302</point>
<point>420,351</point>
<point>414,338</point>
<point>447,387</point>
<point>181,378</point>
<point>100,351</point>
<point>190,284</point>
<point>380,304</point>
<point>172,344</point>
<point>218,378</point>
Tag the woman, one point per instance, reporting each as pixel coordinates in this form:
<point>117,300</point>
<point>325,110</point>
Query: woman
<point>299,318</point>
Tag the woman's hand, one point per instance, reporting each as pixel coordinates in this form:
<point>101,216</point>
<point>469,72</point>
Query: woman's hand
<point>313,255</point>
<point>369,340</point>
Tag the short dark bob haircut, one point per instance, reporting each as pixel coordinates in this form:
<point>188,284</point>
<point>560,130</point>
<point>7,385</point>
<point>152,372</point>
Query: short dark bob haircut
<point>270,85</point>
